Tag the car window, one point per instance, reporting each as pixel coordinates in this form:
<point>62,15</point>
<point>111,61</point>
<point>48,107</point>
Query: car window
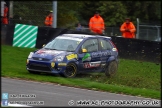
<point>91,45</point>
<point>64,43</point>
<point>105,45</point>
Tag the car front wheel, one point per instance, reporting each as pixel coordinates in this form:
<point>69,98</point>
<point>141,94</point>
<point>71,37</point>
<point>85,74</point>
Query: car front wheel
<point>111,69</point>
<point>71,70</point>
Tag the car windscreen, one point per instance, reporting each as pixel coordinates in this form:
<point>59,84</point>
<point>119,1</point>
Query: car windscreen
<point>64,43</point>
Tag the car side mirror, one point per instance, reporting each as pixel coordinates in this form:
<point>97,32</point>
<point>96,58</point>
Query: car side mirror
<point>43,45</point>
<point>84,50</point>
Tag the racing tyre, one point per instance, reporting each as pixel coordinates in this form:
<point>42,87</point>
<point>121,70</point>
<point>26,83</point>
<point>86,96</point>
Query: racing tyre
<point>70,71</point>
<point>111,69</point>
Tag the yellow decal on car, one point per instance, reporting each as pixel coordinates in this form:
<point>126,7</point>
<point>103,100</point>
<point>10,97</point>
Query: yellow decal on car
<point>114,49</point>
<point>71,56</point>
<point>61,64</point>
<point>27,61</point>
<point>52,64</point>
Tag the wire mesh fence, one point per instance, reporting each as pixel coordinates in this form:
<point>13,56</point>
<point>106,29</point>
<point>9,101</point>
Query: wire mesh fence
<point>145,33</point>
<point>149,32</point>
<point>35,12</point>
<point>30,12</point>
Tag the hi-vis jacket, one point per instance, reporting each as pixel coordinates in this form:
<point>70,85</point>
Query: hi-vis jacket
<point>96,24</point>
<point>130,33</point>
<point>5,19</point>
<point>48,21</point>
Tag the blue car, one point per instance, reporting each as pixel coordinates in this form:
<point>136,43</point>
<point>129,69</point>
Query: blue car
<point>71,54</point>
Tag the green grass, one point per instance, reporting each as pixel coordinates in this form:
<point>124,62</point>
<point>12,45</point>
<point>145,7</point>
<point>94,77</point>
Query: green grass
<point>134,77</point>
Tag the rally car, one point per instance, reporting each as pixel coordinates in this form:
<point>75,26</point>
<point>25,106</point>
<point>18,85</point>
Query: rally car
<point>70,54</point>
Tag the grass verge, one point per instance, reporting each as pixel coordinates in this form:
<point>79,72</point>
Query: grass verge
<point>133,78</point>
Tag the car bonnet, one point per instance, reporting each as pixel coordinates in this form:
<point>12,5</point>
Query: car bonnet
<point>48,54</point>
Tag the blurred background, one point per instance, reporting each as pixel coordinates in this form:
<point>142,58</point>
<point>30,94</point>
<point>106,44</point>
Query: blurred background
<point>146,15</point>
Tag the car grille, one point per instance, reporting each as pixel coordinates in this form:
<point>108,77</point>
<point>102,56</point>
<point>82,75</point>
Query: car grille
<point>41,59</point>
<point>39,67</point>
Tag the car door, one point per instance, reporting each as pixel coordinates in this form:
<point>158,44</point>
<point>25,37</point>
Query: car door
<point>88,58</point>
<point>105,48</point>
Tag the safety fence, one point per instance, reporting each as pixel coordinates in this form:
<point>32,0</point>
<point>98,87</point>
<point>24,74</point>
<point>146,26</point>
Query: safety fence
<point>33,36</point>
<point>30,12</point>
<point>152,33</point>
<point>148,30</point>
<point>34,13</point>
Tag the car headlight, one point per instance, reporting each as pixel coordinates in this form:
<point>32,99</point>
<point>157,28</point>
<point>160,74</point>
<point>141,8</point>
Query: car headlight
<point>59,58</point>
<point>30,55</point>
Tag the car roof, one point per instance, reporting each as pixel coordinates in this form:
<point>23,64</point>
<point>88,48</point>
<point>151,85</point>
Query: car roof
<point>82,36</point>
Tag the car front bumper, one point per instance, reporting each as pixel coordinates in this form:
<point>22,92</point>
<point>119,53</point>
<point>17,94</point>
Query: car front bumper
<point>42,66</point>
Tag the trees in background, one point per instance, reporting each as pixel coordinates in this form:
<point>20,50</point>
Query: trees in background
<point>114,12</point>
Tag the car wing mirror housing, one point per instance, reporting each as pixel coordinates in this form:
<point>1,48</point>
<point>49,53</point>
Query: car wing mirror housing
<point>84,50</point>
<point>43,45</point>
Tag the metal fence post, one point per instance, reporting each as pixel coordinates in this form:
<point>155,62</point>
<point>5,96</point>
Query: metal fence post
<point>147,34</point>
<point>158,33</point>
<point>54,25</point>
<point>11,9</point>
<point>137,35</point>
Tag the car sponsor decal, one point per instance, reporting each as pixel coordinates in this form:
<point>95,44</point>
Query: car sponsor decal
<point>103,65</point>
<point>71,56</point>
<point>91,64</point>
<point>101,54</point>
<point>43,52</point>
<point>114,49</point>
<point>52,64</point>
<point>40,51</point>
<point>87,57</point>
<point>71,38</point>
<point>27,61</point>
<point>62,64</point>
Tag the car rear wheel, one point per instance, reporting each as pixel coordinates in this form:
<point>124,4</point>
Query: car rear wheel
<point>71,70</point>
<point>111,69</point>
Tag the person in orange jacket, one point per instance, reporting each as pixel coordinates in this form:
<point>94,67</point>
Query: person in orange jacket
<point>49,19</point>
<point>96,24</point>
<point>128,29</point>
<point>5,18</point>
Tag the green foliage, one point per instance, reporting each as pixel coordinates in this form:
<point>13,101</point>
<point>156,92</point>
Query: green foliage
<point>133,77</point>
<point>113,12</point>
<point>144,10</point>
<point>67,13</point>
<point>87,11</point>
